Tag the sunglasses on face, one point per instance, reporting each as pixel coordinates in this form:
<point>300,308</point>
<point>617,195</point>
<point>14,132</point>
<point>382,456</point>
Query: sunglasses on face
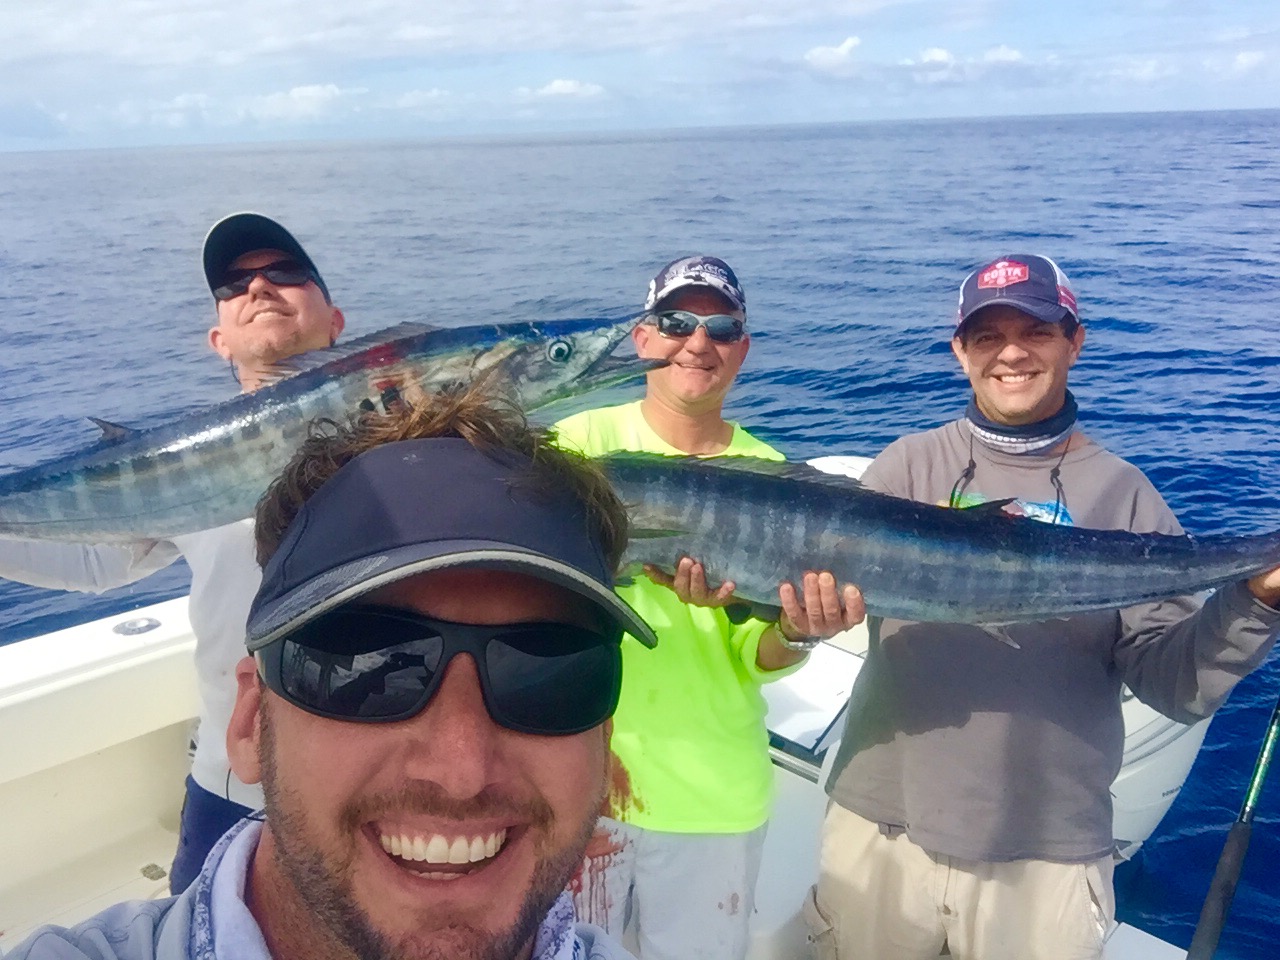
<point>282,273</point>
<point>381,665</point>
<point>720,327</point>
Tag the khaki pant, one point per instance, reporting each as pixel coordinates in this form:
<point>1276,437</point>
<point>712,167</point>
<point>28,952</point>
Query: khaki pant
<point>882,898</point>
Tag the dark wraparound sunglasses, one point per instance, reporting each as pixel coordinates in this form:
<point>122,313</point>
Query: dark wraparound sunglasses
<point>721,327</point>
<point>282,273</point>
<point>380,665</point>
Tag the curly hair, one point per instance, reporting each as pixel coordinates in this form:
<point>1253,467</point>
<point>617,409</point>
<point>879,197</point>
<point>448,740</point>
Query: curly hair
<point>484,419</point>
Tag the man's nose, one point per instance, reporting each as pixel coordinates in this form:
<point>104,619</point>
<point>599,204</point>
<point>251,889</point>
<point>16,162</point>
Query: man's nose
<point>259,283</point>
<point>1013,350</point>
<point>453,742</point>
<point>698,340</point>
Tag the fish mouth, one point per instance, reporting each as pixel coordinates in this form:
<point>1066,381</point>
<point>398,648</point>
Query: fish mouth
<point>610,369</point>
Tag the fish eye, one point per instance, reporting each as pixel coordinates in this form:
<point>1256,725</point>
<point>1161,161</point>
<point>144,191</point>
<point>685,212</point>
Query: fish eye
<point>559,351</point>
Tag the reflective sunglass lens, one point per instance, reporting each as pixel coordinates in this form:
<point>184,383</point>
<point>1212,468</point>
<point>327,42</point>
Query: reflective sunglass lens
<point>283,273</point>
<point>680,323</point>
<point>561,683</point>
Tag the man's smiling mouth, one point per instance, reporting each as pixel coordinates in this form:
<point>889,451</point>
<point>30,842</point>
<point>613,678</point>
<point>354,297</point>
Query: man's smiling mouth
<point>418,850</point>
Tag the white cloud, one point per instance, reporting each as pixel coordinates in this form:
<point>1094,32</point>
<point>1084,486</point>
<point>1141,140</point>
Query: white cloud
<point>191,33</point>
<point>562,90</point>
<point>837,61</point>
<point>305,104</point>
<point>417,99</point>
<point>1143,70</point>
<point>1247,60</point>
<point>1003,54</point>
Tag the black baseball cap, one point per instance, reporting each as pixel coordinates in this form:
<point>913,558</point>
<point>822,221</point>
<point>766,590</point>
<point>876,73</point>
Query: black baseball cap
<point>417,506</point>
<point>1028,282</point>
<point>240,233</point>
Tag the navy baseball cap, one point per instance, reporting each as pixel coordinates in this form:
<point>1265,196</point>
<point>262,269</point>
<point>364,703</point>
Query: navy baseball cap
<point>701,271</point>
<point>1025,281</point>
<point>417,506</point>
<point>241,233</point>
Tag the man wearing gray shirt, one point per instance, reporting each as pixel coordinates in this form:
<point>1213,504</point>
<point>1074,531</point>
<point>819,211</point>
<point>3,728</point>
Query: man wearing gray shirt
<point>971,788</point>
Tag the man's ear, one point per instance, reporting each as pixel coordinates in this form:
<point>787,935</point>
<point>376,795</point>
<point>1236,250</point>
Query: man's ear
<point>337,322</point>
<point>1077,343</point>
<point>244,733</point>
<point>218,342</point>
<point>640,335</point>
<point>957,347</point>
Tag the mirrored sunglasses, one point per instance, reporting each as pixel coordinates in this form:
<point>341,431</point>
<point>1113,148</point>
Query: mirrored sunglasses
<point>282,273</point>
<point>380,665</point>
<point>720,327</point>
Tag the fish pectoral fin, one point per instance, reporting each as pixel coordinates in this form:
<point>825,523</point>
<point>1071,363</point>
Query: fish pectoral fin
<point>740,611</point>
<point>1000,632</point>
<point>113,432</point>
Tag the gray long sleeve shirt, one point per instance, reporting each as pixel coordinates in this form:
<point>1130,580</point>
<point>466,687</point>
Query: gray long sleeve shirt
<point>987,752</point>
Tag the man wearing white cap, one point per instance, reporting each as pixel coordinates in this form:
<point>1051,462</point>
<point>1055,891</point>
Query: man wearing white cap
<point>270,304</point>
<point>971,791</point>
<point>676,861</point>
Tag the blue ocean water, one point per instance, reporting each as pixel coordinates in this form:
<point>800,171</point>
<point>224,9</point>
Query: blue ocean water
<point>851,241</point>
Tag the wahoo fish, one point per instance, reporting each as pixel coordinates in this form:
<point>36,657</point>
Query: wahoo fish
<point>210,467</point>
<point>759,522</point>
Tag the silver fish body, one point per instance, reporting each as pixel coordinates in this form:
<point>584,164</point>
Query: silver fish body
<point>210,467</point>
<point>760,523</point>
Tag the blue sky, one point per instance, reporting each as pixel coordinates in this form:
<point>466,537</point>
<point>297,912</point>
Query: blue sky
<point>79,73</point>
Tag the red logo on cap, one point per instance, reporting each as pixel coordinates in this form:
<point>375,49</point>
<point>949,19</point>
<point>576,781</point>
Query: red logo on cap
<point>1066,298</point>
<point>1002,273</point>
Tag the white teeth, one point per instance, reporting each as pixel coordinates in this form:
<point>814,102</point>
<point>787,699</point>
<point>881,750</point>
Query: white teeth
<point>460,851</point>
<point>437,851</point>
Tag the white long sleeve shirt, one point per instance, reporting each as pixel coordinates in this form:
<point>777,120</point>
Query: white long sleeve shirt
<point>224,578</point>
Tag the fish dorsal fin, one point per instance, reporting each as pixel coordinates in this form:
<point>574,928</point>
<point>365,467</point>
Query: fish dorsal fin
<point>785,469</point>
<point>312,359</point>
<point>989,508</point>
<point>113,432</point>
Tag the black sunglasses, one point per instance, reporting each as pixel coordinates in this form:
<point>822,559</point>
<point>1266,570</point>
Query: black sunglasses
<point>721,327</point>
<point>380,665</point>
<point>282,273</point>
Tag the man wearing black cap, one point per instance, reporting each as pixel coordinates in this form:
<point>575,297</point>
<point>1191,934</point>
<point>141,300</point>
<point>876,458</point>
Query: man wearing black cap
<point>971,788</point>
<point>271,304</point>
<point>677,859</point>
<point>434,658</point>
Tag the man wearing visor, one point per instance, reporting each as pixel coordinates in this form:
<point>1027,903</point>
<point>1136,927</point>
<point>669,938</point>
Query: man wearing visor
<point>434,658</point>
<point>270,304</point>
<point>677,857</point>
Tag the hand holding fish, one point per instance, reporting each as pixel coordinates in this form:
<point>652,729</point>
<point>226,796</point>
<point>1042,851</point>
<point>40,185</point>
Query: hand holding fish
<point>819,612</point>
<point>824,611</point>
<point>1266,587</point>
<point>689,582</point>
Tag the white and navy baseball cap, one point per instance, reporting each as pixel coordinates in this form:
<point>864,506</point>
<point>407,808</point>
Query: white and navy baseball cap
<point>1025,281</point>
<point>240,233</point>
<point>417,506</point>
<point>699,271</point>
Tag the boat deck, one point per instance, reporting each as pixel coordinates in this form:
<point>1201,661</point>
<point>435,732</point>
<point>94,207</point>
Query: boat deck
<point>91,790</point>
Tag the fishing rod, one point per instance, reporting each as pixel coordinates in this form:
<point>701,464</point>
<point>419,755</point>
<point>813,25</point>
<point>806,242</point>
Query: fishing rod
<point>1217,903</point>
